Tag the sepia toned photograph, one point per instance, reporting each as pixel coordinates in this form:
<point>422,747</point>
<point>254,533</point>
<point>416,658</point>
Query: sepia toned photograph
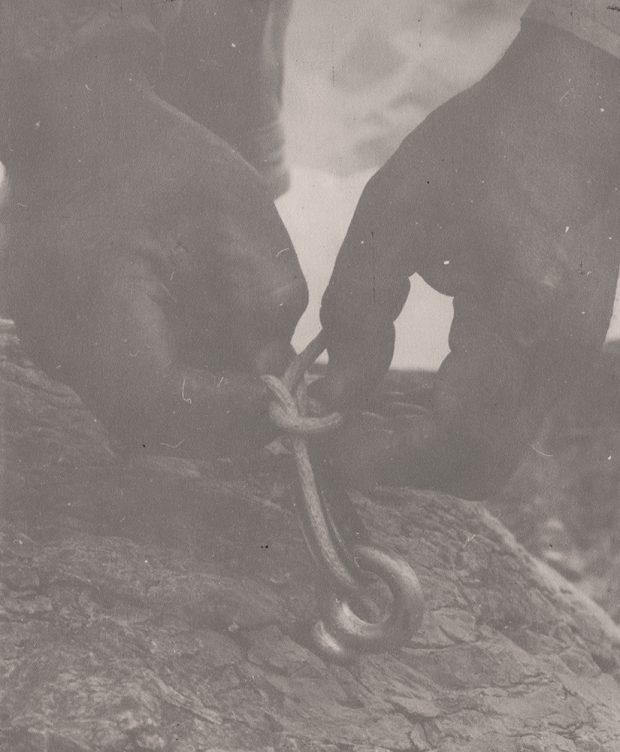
<point>309,376</point>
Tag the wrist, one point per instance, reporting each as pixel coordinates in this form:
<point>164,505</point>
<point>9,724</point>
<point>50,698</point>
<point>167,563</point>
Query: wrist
<point>556,94</point>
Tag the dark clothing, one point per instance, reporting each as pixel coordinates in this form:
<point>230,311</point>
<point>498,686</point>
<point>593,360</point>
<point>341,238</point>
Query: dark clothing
<point>594,21</point>
<point>219,61</point>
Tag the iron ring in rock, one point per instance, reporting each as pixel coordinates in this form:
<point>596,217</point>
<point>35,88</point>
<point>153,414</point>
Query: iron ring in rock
<point>342,634</point>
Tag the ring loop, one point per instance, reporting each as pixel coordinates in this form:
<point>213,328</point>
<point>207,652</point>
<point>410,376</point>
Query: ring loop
<point>348,630</point>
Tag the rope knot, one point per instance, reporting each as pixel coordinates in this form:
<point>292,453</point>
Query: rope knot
<point>285,413</point>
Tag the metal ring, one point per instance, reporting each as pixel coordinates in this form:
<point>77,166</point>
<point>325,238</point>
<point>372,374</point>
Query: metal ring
<point>342,627</point>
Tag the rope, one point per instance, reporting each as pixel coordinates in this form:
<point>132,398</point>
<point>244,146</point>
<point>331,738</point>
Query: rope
<point>321,535</point>
<point>341,633</point>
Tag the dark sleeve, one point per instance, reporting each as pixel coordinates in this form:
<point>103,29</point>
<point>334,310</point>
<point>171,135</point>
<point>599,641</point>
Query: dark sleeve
<point>223,66</point>
<point>595,21</point>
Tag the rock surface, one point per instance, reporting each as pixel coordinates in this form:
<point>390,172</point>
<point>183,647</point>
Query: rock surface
<point>160,604</point>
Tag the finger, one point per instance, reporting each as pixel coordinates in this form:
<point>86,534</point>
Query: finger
<point>399,224</point>
<point>355,368</point>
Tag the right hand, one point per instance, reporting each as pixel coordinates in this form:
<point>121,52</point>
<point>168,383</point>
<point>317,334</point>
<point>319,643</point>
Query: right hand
<point>157,279</point>
<point>506,198</point>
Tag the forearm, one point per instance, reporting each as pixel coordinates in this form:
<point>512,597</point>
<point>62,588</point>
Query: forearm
<point>575,96</point>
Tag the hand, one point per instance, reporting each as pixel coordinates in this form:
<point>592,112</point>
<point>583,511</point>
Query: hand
<point>151,270</point>
<point>506,198</point>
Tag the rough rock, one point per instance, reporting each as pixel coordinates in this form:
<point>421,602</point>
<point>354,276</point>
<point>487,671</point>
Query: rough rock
<point>161,604</point>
